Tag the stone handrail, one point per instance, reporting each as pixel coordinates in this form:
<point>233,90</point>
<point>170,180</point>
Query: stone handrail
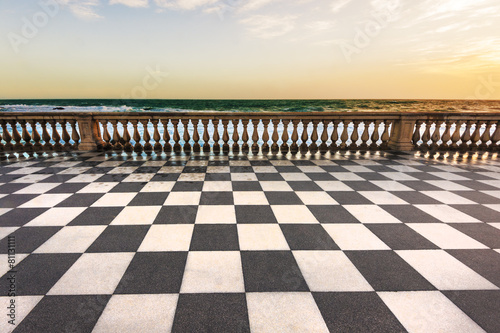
<point>248,131</point>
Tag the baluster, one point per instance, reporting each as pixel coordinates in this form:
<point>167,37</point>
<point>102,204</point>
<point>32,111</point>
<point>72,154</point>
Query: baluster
<point>245,137</point>
<point>255,136</point>
<point>186,136</point>
<point>127,146</point>
<point>354,136</point>
<point>225,137</point>
<point>265,136</point>
<point>275,148</point>
<point>148,148</point>
<point>65,135</point>
<point>476,136</point>
<point>7,137</point>
<point>313,148</point>
<point>45,136</point>
<point>137,137</point>
<point>345,135</point>
<point>105,135</point>
<point>495,138</point>
<point>365,136</point>
<point>55,136</point>
<point>375,135</point>
<point>117,140</point>
<point>176,136</point>
<point>37,146</point>
<point>156,137</point>
<point>323,147</point>
<point>416,134</point>
<point>167,147</point>
<point>16,136</point>
<point>456,135</point>
<point>446,136</point>
<point>206,137</point>
<point>466,136</point>
<point>426,137</point>
<point>304,148</point>
<point>74,135</point>
<point>236,137</point>
<point>28,146</point>
<point>385,135</point>
<point>2,146</point>
<point>215,122</point>
<point>284,137</point>
<point>335,136</point>
<point>435,136</point>
<point>485,138</point>
<point>196,136</point>
<point>294,149</point>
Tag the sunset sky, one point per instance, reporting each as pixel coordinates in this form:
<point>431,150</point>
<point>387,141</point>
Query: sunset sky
<point>250,49</point>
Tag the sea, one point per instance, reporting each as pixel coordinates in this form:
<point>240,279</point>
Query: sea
<point>186,105</point>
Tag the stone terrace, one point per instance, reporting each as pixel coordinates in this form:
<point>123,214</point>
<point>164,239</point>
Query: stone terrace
<point>345,242</point>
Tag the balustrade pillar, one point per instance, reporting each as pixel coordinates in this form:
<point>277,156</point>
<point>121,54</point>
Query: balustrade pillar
<point>117,140</point>
<point>225,136</point>
<point>375,135</point>
<point>354,136</point>
<point>275,148</point>
<point>16,136</point>
<point>206,136</point>
<point>265,136</point>
<point>176,137</point>
<point>196,136</point>
<point>65,136</point>
<point>294,148</point>
<point>166,136</point>
<point>156,137</point>
<point>255,136</point>
<point>365,136</point>
<point>186,137</point>
<point>127,146</point>
<point>284,137</point>
<point>28,146</point>
<point>304,147</point>
<point>245,148</point>
<point>148,148</point>
<point>236,137</point>
<point>216,147</point>
<point>313,147</point>
<point>401,134</point>
<point>335,136</point>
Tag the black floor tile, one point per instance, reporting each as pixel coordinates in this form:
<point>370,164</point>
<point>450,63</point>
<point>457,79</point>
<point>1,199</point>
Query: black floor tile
<point>267,271</point>
<point>10,188</point>
<point>149,199</point>
<point>478,197</point>
<point>283,198</point>
<point>350,198</point>
<point>18,217</point>
<point>372,176</point>
<point>356,312</point>
<point>479,212</point>
<point>255,214</point>
<point>485,262</point>
<point>386,271</point>
<point>215,237</point>
<point>241,169</point>
<point>318,176</point>
<point>332,214</point>
<point>120,239</point>
<point>153,273</point>
<point>80,200</point>
<point>420,185</point>
<point>478,186</point>
<point>246,186</point>
<point>217,177</point>
<point>147,170</point>
<point>401,237</point>
<point>28,239</point>
<point>304,186</point>
<point>482,232</point>
<point>308,237</point>
<point>127,187</point>
<point>16,200</point>
<point>482,306</point>
<point>188,187</point>
<point>362,186</point>
<point>409,214</point>
<point>57,179</point>
<point>287,169</point>
<point>165,177</point>
<point>211,313</point>
<point>38,273</point>
<point>68,188</point>
<point>217,198</point>
<point>112,178</point>
<point>177,215</point>
<point>96,216</point>
<point>269,177</point>
<point>416,198</point>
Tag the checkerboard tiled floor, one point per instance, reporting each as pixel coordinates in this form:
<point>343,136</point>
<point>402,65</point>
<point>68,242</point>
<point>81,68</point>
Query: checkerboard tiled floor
<point>341,243</point>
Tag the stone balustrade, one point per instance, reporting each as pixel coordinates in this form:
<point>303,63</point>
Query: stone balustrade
<point>266,132</point>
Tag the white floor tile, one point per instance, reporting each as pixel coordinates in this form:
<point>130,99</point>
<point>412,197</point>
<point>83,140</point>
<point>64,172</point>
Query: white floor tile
<point>391,185</point>
<point>403,168</point>
<point>448,176</point>
<point>357,168</point>
<point>311,169</point>
<point>24,305</point>
<point>217,186</point>
<point>171,169</point>
<point>5,231</point>
<point>261,237</point>
<point>73,239</point>
<point>74,171</point>
<point>264,169</point>
<point>158,187</point>
<point>354,237</point>
<point>293,214</point>
<point>250,198</point>
<point>20,165</point>
<point>447,214</point>
<point>37,188</point>
<point>135,215</point>
<point>122,314</point>
<point>193,163</point>
<point>139,178</point>
<point>80,279</point>
<point>293,176</point>
<point>58,216</point>
<point>448,168</point>
<point>45,200</point>
<point>160,238</point>
<point>213,272</point>
<point>154,163</point>
<point>382,198</point>
<point>244,177</point>
<point>495,194</point>
<point>445,236</point>
<point>4,210</point>
<point>29,179</point>
<point>448,198</point>
<point>428,311</point>
<point>279,186</point>
<point>496,225</point>
<point>346,176</point>
<point>284,313</point>
<point>104,187</point>
<point>122,170</point>
<point>330,271</point>
<point>219,214</point>
<point>183,199</point>
<point>316,198</point>
<point>114,200</point>
<point>191,177</point>
<point>398,176</point>
<point>448,185</point>
<point>218,169</point>
<point>25,171</point>
<point>334,186</point>
<point>444,271</point>
<point>110,164</point>
<point>247,163</point>
<point>371,214</point>
<point>324,162</point>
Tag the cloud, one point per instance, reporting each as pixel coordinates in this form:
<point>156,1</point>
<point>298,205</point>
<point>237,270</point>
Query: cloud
<point>337,5</point>
<point>184,4</point>
<point>131,3</point>
<point>255,4</point>
<point>264,26</point>
<point>320,25</point>
<point>84,9</point>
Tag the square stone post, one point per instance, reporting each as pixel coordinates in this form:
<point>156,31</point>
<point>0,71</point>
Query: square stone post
<point>88,133</point>
<point>402,133</point>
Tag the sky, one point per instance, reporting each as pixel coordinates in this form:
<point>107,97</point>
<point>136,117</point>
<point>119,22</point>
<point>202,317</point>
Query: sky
<point>250,49</point>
